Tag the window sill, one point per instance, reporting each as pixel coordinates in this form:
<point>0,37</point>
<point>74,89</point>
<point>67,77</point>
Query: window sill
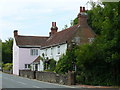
<point>58,55</point>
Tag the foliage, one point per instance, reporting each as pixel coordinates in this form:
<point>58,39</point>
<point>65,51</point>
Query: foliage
<point>65,27</point>
<point>67,62</point>
<point>99,63</point>
<point>50,65</point>
<point>7,51</point>
<point>7,66</point>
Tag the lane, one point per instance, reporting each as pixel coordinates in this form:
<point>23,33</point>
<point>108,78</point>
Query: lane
<point>12,81</point>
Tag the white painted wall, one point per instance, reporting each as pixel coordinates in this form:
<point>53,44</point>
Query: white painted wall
<point>41,65</point>
<point>15,58</point>
<point>55,54</point>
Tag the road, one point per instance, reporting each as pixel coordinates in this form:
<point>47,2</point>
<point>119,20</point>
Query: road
<point>13,81</point>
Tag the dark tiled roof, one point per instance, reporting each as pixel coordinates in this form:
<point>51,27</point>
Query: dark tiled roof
<point>58,38</point>
<point>62,36</point>
<point>30,40</point>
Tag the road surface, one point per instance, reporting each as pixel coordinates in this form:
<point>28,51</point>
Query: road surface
<point>12,81</point>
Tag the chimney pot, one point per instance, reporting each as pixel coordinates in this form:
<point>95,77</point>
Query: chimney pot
<point>53,24</point>
<point>15,33</point>
<point>81,9</point>
<point>54,29</point>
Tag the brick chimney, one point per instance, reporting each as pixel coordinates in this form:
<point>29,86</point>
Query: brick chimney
<point>15,33</point>
<point>82,17</point>
<point>54,29</point>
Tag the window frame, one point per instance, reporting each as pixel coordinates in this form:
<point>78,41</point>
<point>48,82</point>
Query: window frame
<point>34,52</point>
<point>51,51</point>
<point>27,66</point>
<point>58,49</point>
<point>91,40</point>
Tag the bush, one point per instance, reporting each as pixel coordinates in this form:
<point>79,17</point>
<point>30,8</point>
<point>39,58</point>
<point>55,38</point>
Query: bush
<point>7,66</point>
<point>50,65</point>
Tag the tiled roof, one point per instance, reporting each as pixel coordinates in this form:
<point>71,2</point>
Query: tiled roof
<point>30,40</point>
<point>58,38</point>
<point>62,36</point>
<point>37,59</point>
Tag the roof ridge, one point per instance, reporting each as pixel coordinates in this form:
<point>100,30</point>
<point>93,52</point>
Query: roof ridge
<point>33,36</point>
<point>67,28</point>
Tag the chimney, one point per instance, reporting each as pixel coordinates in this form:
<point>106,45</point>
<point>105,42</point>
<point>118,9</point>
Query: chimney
<point>54,28</point>
<point>81,9</point>
<point>82,17</point>
<point>15,33</point>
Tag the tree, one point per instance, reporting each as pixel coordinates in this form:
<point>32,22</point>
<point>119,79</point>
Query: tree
<point>67,62</point>
<point>99,63</point>
<point>7,51</point>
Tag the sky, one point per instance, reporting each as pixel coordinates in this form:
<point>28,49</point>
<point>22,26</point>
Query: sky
<point>35,17</point>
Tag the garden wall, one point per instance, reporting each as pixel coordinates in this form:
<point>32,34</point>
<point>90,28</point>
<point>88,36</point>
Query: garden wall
<point>51,77</point>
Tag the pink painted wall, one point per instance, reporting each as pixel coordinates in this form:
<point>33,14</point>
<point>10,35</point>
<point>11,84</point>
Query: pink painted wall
<point>21,56</point>
<point>25,57</point>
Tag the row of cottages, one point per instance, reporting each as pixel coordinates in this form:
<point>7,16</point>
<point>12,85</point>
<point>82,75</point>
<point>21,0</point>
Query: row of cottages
<point>27,50</point>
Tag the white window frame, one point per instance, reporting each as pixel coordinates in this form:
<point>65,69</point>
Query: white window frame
<point>45,52</point>
<point>33,52</point>
<point>51,51</point>
<point>91,40</point>
<point>27,66</point>
<point>58,49</point>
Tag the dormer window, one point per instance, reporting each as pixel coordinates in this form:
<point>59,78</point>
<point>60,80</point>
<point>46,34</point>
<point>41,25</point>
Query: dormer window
<point>58,49</point>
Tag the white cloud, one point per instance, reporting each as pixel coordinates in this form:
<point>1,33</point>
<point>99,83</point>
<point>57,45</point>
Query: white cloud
<point>20,14</point>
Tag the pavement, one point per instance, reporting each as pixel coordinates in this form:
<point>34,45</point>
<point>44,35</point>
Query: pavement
<point>90,86</point>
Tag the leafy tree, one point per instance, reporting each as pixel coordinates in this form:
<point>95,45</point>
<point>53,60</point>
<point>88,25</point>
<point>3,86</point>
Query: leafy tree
<point>67,62</point>
<point>7,51</point>
<point>99,63</point>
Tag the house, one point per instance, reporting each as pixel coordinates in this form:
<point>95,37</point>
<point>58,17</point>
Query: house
<point>28,49</point>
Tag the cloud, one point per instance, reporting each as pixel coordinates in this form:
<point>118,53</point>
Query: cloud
<point>25,14</point>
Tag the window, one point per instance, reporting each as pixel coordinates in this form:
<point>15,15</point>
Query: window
<point>51,51</point>
<point>58,49</point>
<point>34,52</point>
<point>27,66</point>
<point>45,52</point>
<point>77,39</point>
<point>90,40</point>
